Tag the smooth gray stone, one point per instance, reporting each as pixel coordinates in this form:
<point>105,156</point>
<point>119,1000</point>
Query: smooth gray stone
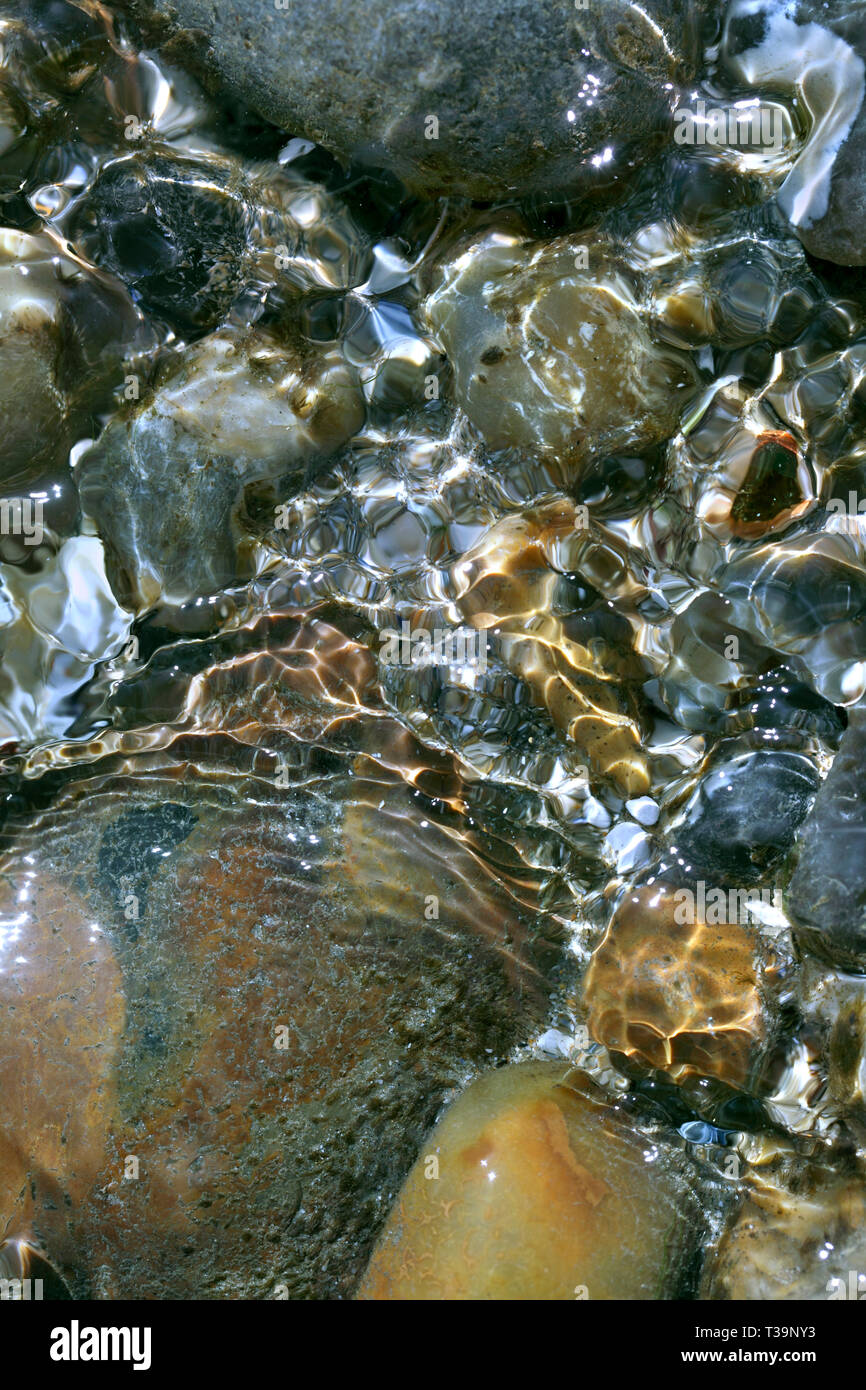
<point>165,482</point>
<point>827,894</point>
<point>524,91</point>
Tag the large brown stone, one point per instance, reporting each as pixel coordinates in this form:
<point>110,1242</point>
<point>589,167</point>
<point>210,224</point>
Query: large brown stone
<point>243,997</point>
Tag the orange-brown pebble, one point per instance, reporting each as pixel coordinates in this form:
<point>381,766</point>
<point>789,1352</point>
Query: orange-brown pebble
<point>584,680</point>
<point>530,1188</point>
<point>682,997</point>
<point>61,1021</point>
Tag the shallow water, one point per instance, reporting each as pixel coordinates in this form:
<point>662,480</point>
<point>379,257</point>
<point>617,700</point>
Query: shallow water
<point>279,424</point>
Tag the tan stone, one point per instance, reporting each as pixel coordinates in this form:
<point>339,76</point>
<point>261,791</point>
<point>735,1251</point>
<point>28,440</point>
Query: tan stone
<point>506,585</point>
<point>542,1193</point>
<point>61,1021</point>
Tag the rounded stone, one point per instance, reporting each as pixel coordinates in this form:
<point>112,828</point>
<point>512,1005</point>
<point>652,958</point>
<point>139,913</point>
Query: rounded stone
<point>63,336</point>
<point>550,350</point>
<point>422,90</point>
<point>826,896</point>
<point>522,582</point>
<point>531,1187</point>
<point>743,817</point>
<point>674,993</point>
<point>815,52</point>
<point>165,484</point>
<point>61,1020</point>
<point>801,1241</point>
<point>173,229</point>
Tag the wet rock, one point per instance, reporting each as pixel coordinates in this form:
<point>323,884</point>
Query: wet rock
<point>550,350</point>
<point>312,928</point>
<point>295,968</point>
<point>759,485</point>
<point>53,59</point>
<point>817,50</point>
<point>806,599</point>
<point>63,337</point>
<point>833,1005</point>
<point>675,992</point>
<point>61,1016</point>
<point>739,477</point>
<point>523,583</point>
<point>255,1033</point>
<point>793,1240</point>
<point>528,113</point>
<point>531,1187</point>
<point>702,680</point>
<point>827,894</point>
<point>190,236</point>
<point>165,484</point>
<point>171,232</point>
<point>743,817</point>
<point>780,700</point>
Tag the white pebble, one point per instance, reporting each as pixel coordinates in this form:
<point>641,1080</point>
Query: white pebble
<point>644,810</point>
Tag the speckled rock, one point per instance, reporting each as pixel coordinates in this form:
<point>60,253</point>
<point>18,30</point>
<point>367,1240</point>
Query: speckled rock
<point>550,350</point>
<point>741,821</point>
<point>173,229</point>
<point>527,112</point>
<point>61,1014</point>
<point>680,995</point>
<point>798,1240</point>
<point>63,336</point>
<point>191,237</point>
<point>574,654</point>
<point>276,977</point>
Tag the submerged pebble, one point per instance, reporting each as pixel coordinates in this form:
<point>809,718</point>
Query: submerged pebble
<point>63,338</point>
<point>676,991</point>
<point>577,663</point>
<point>800,1239</point>
<point>744,814</point>
<point>62,1009</point>
<point>427,95</point>
<point>165,484</point>
<point>550,350</point>
<point>827,893</point>
<point>531,1187</point>
<point>171,231</point>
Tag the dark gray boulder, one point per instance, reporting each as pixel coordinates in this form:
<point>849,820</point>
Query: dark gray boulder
<point>741,820</point>
<point>827,894</point>
<point>482,100</point>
